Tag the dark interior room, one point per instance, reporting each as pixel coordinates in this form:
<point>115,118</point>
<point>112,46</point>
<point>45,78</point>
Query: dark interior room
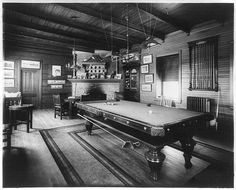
<point>117,94</point>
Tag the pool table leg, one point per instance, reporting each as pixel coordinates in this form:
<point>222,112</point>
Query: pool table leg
<point>188,146</point>
<point>89,127</point>
<point>155,159</point>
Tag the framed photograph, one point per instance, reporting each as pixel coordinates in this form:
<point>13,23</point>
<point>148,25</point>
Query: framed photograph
<point>28,64</point>
<point>146,87</point>
<point>8,73</point>
<point>56,86</point>
<point>8,65</point>
<point>56,70</point>
<point>144,68</point>
<point>149,78</point>
<point>147,59</point>
<point>9,83</point>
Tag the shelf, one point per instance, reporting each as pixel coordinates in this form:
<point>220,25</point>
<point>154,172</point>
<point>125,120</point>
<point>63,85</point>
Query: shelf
<point>95,80</point>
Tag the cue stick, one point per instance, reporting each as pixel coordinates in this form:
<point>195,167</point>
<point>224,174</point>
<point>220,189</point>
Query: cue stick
<point>125,143</point>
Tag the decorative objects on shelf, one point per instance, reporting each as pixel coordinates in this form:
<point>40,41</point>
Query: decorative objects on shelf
<point>147,59</point>
<point>131,57</point>
<point>146,87</point>
<point>149,78</point>
<point>144,69</point>
<point>95,67</point>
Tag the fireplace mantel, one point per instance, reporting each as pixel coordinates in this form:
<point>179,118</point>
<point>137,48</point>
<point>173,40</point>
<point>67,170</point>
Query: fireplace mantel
<point>93,86</point>
<point>95,80</point>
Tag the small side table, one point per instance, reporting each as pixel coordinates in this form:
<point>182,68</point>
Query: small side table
<point>18,109</point>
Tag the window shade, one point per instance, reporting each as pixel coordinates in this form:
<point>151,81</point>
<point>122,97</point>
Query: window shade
<point>203,65</point>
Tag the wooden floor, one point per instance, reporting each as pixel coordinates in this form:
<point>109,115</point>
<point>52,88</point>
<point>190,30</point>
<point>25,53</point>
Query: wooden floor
<point>30,164</point>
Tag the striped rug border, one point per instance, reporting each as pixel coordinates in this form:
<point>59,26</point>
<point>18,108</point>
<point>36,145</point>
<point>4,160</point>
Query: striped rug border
<point>116,170</point>
<point>70,175</point>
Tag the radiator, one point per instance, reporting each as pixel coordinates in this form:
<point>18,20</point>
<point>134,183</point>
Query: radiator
<point>199,104</point>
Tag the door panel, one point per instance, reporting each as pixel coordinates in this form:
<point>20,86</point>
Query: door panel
<point>30,87</point>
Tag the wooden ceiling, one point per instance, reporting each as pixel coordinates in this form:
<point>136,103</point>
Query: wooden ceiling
<point>59,27</point>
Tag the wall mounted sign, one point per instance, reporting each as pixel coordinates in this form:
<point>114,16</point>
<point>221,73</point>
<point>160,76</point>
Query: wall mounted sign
<point>56,86</point>
<point>149,78</point>
<point>147,59</point>
<point>9,83</point>
<point>8,65</point>
<point>146,87</point>
<point>28,64</point>
<point>8,73</point>
<point>144,69</point>
<point>56,81</point>
<point>56,70</point>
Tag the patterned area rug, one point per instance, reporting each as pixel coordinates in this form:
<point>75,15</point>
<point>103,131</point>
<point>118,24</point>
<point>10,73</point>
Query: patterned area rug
<point>99,160</point>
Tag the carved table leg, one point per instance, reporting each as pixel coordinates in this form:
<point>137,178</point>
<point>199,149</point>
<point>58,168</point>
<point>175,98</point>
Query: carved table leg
<point>188,146</point>
<point>89,127</point>
<point>155,159</point>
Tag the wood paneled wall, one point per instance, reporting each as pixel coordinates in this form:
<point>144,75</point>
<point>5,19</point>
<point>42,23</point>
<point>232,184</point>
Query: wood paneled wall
<point>179,41</point>
<point>47,60</point>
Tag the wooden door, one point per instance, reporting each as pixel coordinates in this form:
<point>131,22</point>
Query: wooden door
<point>31,87</point>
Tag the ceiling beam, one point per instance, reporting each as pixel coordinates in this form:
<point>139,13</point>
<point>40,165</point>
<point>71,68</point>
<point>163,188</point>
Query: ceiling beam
<point>11,28</point>
<point>29,11</point>
<point>27,43</point>
<point>43,41</point>
<point>9,43</point>
<point>78,37</point>
<point>164,17</point>
<point>60,42</point>
<point>99,15</point>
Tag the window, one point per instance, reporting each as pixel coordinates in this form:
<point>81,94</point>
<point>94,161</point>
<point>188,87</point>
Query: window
<point>203,65</point>
<point>168,77</point>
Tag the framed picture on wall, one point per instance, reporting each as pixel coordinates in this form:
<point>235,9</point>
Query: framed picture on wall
<point>9,83</point>
<point>144,68</point>
<point>8,73</point>
<point>8,65</point>
<point>149,78</point>
<point>29,64</point>
<point>147,59</point>
<point>56,70</point>
<point>146,87</point>
<point>56,86</point>
<point>56,82</point>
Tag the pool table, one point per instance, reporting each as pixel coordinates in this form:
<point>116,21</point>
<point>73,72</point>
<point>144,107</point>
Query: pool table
<point>155,125</point>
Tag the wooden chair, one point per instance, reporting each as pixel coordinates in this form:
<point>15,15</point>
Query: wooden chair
<point>61,108</point>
